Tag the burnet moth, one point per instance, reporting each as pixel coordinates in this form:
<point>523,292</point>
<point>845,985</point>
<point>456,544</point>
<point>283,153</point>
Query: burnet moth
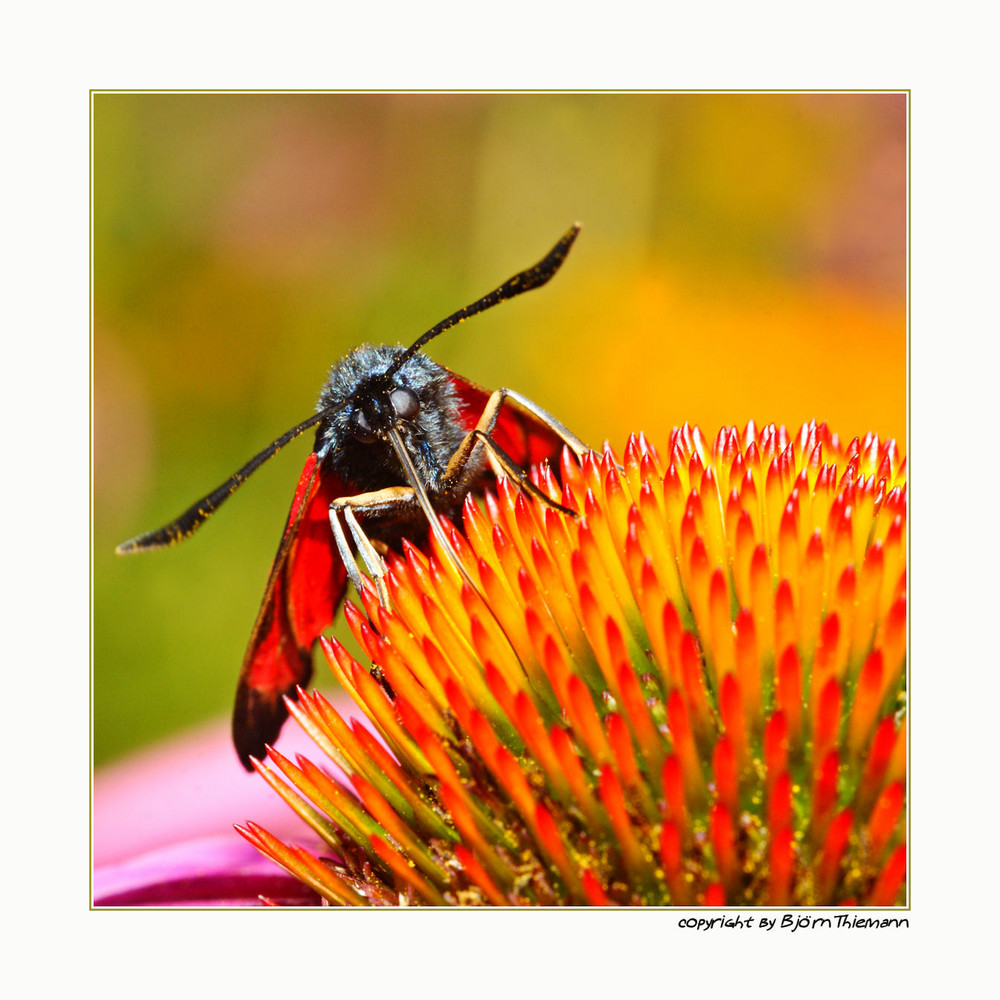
<point>399,441</point>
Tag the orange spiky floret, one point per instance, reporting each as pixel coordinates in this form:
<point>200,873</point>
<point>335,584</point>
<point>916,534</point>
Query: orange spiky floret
<point>692,694</point>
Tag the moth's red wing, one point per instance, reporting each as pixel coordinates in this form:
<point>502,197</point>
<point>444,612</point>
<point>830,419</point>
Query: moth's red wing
<point>304,590</point>
<point>521,434</point>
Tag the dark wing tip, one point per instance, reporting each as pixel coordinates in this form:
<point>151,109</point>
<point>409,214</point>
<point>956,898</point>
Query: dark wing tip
<point>257,719</point>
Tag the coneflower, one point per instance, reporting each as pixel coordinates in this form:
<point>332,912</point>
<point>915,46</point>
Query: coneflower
<point>691,694</point>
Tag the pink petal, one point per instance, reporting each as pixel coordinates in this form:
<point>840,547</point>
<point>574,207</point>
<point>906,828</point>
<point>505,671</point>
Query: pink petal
<point>211,871</point>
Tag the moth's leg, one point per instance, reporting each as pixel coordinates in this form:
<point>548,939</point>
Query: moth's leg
<point>488,421</point>
<point>499,460</point>
<point>395,499</point>
<point>369,556</point>
<point>344,550</point>
<point>575,444</point>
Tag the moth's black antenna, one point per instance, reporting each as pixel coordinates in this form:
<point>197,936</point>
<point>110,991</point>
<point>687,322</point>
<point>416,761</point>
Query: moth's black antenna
<point>524,281</point>
<point>200,511</point>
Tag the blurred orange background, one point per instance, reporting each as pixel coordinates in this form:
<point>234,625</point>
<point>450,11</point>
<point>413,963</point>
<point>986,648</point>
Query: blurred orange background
<point>743,255</point>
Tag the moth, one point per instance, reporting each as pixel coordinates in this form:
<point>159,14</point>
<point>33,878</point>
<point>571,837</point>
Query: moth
<point>399,440</point>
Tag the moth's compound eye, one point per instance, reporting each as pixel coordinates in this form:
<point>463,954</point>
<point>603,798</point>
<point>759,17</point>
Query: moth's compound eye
<point>360,428</point>
<point>404,402</point>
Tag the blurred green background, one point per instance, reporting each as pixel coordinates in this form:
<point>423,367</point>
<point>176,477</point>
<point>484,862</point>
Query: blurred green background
<point>742,256</point>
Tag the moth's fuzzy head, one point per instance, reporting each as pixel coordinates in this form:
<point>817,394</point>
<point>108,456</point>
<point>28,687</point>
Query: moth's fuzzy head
<point>359,404</point>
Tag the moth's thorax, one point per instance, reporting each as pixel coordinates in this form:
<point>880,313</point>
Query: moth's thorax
<point>358,383</point>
